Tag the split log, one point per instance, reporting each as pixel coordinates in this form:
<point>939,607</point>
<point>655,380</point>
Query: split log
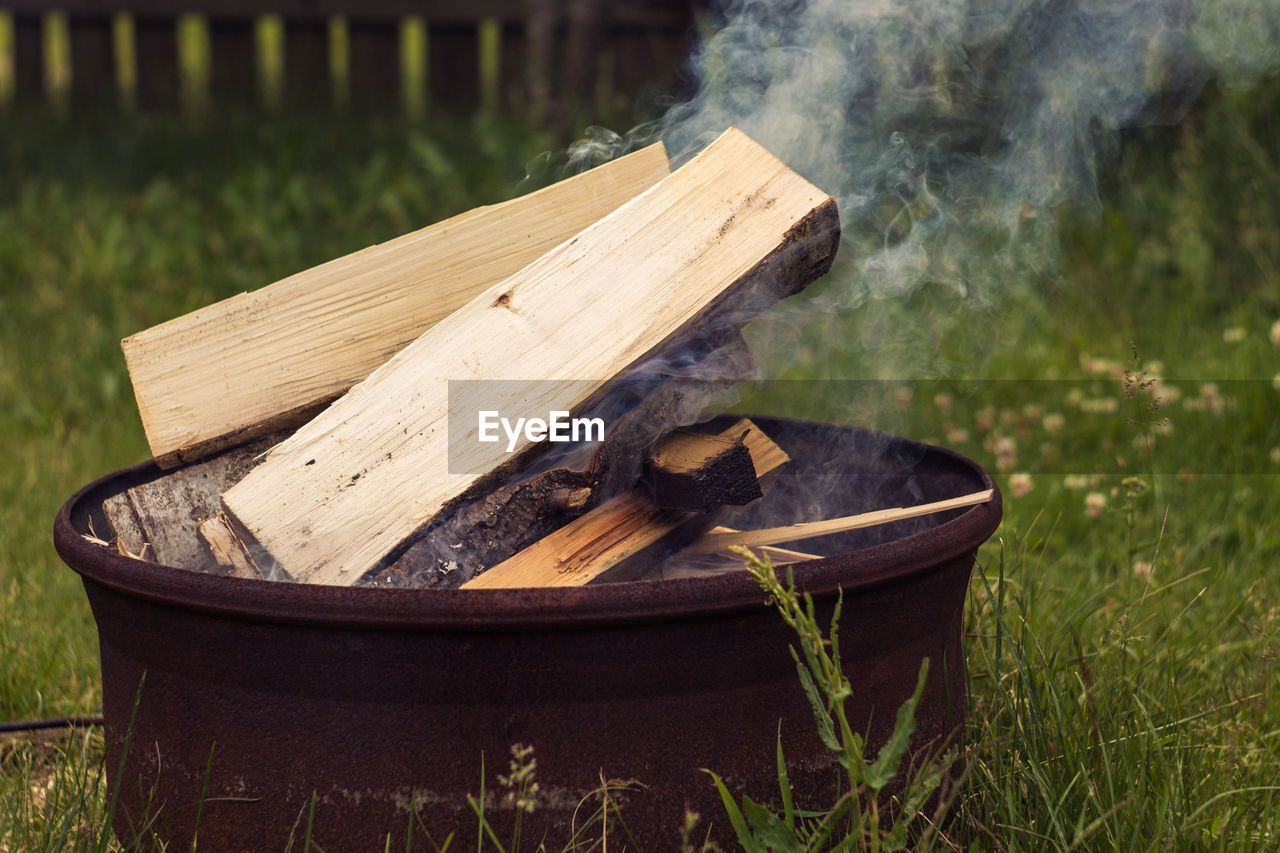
<point>158,519</point>
<point>708,248</point>
<point>621,538</point>
<point>272,358</point>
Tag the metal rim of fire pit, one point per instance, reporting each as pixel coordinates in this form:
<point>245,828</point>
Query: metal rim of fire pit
<point>508,609</point>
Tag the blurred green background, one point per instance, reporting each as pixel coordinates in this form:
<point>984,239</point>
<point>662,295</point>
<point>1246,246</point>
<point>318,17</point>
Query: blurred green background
<point>1123,623</point>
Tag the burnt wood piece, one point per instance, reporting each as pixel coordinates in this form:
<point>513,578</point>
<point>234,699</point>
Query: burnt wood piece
<point>557,489</point>
<point>162,516</point>
<point>697,473</point>
<point>622,538</point>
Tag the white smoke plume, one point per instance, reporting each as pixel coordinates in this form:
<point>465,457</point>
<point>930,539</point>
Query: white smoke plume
<point>950,131</point>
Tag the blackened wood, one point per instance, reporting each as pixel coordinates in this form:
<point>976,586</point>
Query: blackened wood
<point>698,473</point>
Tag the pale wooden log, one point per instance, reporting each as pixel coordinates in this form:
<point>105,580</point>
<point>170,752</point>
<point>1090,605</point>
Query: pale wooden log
<point>158,518</point>
<point>271,358</point>
<point>712,542</point>
<point>620,538</point>
<point>713,245</point>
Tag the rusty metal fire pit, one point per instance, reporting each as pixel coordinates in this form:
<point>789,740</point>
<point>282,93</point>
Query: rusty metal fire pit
<point>380,702</point>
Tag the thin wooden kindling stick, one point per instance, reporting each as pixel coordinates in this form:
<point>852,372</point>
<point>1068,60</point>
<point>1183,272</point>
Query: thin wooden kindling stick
<point>778,555</point>
<point>718,541</point>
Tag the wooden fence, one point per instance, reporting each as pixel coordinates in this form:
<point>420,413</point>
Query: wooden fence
<point>548,59</point>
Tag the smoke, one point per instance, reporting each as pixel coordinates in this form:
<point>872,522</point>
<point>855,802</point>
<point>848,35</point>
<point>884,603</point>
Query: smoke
<point>951,132</point>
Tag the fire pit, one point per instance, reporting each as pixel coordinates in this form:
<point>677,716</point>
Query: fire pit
<point>378,708</point>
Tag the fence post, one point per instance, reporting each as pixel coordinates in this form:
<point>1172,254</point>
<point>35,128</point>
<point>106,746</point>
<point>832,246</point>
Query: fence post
<point>413,65</point>
<point>339,61</point>
<point>539,40</point>
<point>125,50</point>
<point>489,36</point>
<point>269,48</point>
<point>7,81</point>
<point>57,60</point>
<point>195,64</point>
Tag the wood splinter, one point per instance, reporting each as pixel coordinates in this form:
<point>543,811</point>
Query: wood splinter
<point>720,541</point>
<point>227,549</point>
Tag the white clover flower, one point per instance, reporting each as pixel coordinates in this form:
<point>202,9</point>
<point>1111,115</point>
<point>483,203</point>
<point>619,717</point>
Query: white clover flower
<point>1020,484</point>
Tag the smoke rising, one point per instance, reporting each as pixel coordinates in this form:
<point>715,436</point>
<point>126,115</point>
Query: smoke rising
<point>950,133</point>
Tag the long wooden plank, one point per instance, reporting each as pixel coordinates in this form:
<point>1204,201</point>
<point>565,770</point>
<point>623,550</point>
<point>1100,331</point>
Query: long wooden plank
<point>620,538</point>
<point>270,358</point>
<point>716,243</point>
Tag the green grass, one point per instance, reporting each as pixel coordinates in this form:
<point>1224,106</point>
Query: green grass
<point>1121,638</point>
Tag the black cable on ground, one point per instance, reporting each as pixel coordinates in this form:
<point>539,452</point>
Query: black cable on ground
<point>52,723</point>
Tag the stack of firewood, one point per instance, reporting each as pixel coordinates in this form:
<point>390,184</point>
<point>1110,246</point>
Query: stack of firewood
<point>331,427</point>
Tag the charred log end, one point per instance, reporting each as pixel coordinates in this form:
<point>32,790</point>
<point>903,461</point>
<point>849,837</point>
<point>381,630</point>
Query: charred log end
<point>726,477</point>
